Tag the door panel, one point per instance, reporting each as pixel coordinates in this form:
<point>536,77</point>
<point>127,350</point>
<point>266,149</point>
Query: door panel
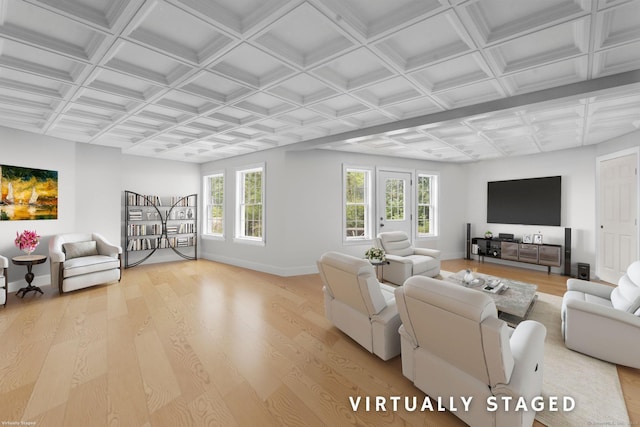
<point>394,202</point>
<point>618,232</point>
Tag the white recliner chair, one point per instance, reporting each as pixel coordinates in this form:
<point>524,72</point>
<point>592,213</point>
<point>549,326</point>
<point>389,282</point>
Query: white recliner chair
<point>603,321</point>
<point>4,281</point>
<point>80,260</point>
<point>454,344</point>
<point>404,260</point>
<point>357,304</point>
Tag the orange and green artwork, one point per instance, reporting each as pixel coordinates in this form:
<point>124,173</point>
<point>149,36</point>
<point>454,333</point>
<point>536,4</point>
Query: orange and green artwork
<point>28,194</point>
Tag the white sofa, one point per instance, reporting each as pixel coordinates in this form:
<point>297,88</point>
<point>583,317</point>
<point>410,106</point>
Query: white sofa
<point>603,321</point>
<point>356,303</point>
<point>80,260</point>
<point>4,281</point>
<point>404,260</point>
<point>454,344</point>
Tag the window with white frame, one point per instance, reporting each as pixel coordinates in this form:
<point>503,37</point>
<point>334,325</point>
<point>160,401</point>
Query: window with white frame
<point>214,205</point>
<point>250,204</point>
<point>357,204</point>
<point>426,204</point>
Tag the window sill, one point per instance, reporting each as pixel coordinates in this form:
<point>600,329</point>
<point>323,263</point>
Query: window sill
<point>246,241</point>
<point>213,237</point>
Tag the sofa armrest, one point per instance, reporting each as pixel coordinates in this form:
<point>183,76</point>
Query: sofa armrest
<point>527,347</point>
<point>386,314</point>
<point>106,248</point>
<point>55,250</point>
<point>601,312</point>
<point>598,289</point>
<point>4,262</point>
<point>434,253</point>
<point>588,329</point>
<point>397,258</point>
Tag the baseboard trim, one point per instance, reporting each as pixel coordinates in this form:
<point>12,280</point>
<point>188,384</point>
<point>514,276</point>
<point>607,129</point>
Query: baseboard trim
<point>265,268</point>
<point>40,281</point>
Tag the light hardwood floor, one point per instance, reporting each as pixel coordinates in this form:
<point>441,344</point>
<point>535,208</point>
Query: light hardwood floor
<point>201,343</point>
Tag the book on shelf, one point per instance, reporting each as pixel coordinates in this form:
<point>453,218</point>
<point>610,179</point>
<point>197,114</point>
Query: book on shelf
<point>135,214</point>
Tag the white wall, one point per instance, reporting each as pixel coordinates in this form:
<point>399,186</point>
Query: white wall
<point>97,191</point>
<point>91,182</point>
<point>88,183</point>
<point>577,168</point>
<point>308,184</point>
<point>304,208</point>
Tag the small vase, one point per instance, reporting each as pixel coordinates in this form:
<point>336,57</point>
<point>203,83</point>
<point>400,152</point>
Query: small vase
<point>468,277</point>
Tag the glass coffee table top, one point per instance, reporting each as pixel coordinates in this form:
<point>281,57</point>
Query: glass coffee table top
<point>517,300</point>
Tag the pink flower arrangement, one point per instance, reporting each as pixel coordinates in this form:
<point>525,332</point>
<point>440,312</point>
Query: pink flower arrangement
<point>27,241</point>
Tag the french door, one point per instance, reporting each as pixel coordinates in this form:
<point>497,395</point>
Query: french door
<point>394,201</point>
<point>617,215</point>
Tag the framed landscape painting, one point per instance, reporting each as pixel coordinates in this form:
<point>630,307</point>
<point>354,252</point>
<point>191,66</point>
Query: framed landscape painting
<point>27,193</point>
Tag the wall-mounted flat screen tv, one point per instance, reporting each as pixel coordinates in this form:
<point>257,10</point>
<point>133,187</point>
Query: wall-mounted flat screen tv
<point>533,201</point>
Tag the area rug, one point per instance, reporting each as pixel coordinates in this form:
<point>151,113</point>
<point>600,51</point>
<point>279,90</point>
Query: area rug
<point>593,384</point>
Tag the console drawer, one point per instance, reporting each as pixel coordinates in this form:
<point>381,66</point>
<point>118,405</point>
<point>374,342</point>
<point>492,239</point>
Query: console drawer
<point>550,255</point>
<point>528,253</point>
<point>509,251</point>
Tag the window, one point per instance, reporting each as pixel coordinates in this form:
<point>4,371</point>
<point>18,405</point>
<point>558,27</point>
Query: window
<point>357,204</point>
<point>250,204</point>
<point>214,205</point>
<point>426,205</point>
<point>394,199</point>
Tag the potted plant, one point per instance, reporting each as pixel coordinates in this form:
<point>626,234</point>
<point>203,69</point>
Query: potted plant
<point>488,235</point>
<point>375,254</point>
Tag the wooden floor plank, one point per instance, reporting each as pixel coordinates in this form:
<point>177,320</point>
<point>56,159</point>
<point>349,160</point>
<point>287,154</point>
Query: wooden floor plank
<point>204,343</point>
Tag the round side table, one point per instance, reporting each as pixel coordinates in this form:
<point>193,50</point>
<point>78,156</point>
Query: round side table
<point>29,261</point>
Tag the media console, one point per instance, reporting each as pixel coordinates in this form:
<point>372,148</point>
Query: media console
<point>540,254</point>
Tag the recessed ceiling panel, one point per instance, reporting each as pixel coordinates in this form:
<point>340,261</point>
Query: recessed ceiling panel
<point>42,28</point>
<point>452,73</point>
<point>304,36</point>
<point>546,76</point>
<point>354,69</point>
<point>496,20</point>
<point>411,48</point>
<point>547,45</point>
<point>214,87</point>
<point>618,25</point>
<point>145,63</point>
<point>303,89</point>
<point>252,66</point>
<point>373,17</point>
<point>190,38</point>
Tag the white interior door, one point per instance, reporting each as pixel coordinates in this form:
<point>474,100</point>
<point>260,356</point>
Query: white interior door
<point>394,201</point>
<point>617,213</point>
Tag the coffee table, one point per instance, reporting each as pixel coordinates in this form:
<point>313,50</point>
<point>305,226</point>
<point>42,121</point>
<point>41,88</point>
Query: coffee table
<point>514,304</point>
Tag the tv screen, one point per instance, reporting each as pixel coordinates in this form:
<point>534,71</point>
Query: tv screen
<point>533,201</point>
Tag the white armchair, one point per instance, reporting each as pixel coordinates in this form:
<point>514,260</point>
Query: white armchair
<point>4,281</point>
<point>404,260</point>
<point>603,321</point>
<point>80,260</point>
<point>454,344</point>
<point>356,303</point>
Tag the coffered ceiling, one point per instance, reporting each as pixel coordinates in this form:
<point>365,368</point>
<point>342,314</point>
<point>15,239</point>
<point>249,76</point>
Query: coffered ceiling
<point>446,80</point>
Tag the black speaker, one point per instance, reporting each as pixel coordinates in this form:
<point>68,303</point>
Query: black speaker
<point>467,246</point>
<point>567,252</point>
<point>584,271</point>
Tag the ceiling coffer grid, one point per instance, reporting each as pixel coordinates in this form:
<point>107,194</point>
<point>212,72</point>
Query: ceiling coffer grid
<point>436,80</point>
